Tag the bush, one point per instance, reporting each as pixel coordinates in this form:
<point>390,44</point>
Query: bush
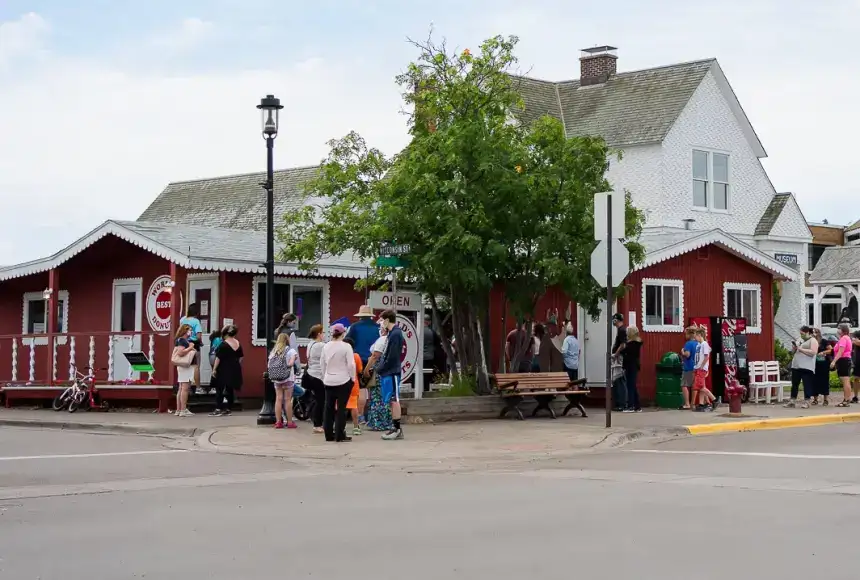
<point>783,357</point>
<point>464,385</point>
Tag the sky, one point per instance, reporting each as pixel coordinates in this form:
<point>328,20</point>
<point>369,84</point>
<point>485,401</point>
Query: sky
<point>104,102</point>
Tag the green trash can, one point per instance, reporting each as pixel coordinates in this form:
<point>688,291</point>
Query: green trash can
<point>669,381</point>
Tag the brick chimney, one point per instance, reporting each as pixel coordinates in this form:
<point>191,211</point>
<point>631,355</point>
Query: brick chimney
<point>597,64</point>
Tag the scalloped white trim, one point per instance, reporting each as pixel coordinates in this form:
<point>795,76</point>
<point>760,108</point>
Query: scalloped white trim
<point>190,263</point>
<point>663,327</point>
<point>726,242</point>
<point>301,282</point>
<point>39,297</point>
<point>740,286</point>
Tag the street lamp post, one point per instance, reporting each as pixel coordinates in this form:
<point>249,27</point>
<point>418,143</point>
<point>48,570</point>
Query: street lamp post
<point>269,108</point>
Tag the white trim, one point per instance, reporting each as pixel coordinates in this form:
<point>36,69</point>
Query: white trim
<point>739,286</point>
<point>663,327</point>
<point>321,283</point>
<point>738,111</point>
<point>333,269</point>
<point>726,242</point>
<point>25,316</point>
<point>202,276</point>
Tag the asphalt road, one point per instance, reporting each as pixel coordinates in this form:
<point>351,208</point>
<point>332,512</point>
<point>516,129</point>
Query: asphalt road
<point>779,504</point>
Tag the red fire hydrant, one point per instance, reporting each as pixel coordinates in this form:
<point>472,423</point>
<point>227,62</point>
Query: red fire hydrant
<point>734,393</point>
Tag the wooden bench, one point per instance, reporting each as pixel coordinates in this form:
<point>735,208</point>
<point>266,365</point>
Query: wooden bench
<point>543,387</point>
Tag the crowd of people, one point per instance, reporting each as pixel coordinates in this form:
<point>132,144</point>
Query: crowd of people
<point>813,359</point>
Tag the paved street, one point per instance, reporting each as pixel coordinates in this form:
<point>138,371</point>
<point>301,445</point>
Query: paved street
<point>764,504</point>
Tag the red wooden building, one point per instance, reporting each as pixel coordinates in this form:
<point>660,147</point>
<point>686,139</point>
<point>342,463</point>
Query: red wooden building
<point>123,286</point>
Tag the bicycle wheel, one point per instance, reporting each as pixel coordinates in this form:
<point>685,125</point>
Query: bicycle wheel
<point>62,400</point>
<point>80,400</point>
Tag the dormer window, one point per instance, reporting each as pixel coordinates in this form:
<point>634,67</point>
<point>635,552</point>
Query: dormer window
<point>710,180</point>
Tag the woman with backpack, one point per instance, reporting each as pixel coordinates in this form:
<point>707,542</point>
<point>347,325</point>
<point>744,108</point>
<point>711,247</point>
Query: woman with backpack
<point>282,372</point>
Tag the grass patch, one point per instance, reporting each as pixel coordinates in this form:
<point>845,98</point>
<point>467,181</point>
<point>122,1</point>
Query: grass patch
<point>461,386</point>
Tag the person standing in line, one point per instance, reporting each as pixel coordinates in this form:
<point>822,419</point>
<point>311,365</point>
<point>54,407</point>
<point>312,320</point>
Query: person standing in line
<point>619,386</point>
<point>356,400</point>
<point>192,320</point>
<point>632,352</point>
<point>338,370</point>
<point>282,373</point>
<point>842,363</point>
<point>705,399</point>
<point>312,379</point>
<point>822,369</point>
<point>378,413</point>
<point>855,357</point>
<point>388,371</point>
<point>516,340</point>
<point>803,367</point>
<point>363,333</point>
<point>288,325</point>
<point>570,353</point>
<point>538,335</point>
<point>432,344</point>
<point>688,367</point>
<point>227,371</point>
<point>182,346</point>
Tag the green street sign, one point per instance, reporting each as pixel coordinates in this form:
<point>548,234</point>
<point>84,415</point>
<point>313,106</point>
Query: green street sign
<point>391,262</point>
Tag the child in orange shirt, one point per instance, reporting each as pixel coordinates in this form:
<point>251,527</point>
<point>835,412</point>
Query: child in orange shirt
<point>355,403</point>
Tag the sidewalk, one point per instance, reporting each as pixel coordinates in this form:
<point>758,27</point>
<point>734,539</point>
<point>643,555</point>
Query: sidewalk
<point>440,445</point>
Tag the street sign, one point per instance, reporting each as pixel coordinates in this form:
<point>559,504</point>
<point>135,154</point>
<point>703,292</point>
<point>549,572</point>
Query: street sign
<point>620,262</point>
<point>391,262</point>
<point>601,211</point>
<point>406,301</point>
<point>394,249</point>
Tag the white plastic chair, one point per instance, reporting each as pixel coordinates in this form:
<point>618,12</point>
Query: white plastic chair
<point>772,377</point>
<point>759,382</point>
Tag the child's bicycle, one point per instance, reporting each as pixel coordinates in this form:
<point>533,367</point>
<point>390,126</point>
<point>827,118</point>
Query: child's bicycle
<point>79,395</point>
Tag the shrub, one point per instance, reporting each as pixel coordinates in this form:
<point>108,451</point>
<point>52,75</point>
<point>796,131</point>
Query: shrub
<point>783,357</point>
<point>463,385</point>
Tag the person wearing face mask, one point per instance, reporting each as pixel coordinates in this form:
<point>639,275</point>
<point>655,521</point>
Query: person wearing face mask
<point>182,346</point>
<point>803,367</point>
<point>289,324</point>
<point>378,413</point>
<point>388,370</point>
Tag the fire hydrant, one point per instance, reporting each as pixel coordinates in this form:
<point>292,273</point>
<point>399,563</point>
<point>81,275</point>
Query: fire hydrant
<point>734,393</point>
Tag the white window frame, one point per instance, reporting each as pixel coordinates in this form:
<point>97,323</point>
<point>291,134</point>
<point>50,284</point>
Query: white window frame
<point>710,190</point>
<point>661,282</point>
<point>40,297</point>
<point>293,282</point>
<point>756,303</point>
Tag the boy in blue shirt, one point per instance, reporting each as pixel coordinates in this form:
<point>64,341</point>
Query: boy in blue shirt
<point>388,370</point>
<point>688,367</point>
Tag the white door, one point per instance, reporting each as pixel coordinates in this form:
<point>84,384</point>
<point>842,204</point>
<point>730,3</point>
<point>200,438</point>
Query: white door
<point>127,317</point>
<point>594,345</point>
<point>204,291</point>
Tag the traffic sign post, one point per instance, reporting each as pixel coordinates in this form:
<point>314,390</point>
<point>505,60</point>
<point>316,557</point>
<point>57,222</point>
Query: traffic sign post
<point>610,263</point>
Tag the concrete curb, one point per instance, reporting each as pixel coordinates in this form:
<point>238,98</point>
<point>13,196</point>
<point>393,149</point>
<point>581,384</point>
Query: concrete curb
<point>781,423</point>
<point>103,428</point>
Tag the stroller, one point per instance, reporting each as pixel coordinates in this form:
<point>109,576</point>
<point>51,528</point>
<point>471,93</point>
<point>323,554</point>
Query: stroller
<point>304,402</point>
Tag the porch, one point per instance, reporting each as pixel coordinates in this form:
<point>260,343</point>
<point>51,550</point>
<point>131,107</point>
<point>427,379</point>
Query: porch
<point>838,268</point>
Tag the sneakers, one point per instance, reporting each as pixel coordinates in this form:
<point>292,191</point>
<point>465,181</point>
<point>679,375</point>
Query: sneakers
<point>804,405</point>
<point>393,435</point>
<point>216,413</point>
<point>213,392</point>
<point>292,425</point>
<point>200,391</point>
<point>356,431</point>
<point>184,413</point>
<point>318,430</point>
<point>628,411</point>
<point>855,400</point>
<point>790,405</point>
<point>279,425</point>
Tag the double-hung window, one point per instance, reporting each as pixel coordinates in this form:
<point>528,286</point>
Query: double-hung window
<point>710,180</point>
<point>662,305</point>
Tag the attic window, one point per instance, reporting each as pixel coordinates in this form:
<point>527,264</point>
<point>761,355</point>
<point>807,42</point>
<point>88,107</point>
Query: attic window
<point>710,180</point>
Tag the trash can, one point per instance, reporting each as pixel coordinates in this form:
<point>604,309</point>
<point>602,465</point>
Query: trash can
<point>669,381</point>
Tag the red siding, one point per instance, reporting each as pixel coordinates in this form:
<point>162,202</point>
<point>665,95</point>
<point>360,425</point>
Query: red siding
<point>703,273</point>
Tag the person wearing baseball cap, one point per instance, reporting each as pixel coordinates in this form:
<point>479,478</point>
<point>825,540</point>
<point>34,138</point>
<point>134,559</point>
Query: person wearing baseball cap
<point>338,371</point>
<point>363,333</point>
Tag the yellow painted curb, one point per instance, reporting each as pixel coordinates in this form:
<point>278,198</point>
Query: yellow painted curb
<point>782,423</point>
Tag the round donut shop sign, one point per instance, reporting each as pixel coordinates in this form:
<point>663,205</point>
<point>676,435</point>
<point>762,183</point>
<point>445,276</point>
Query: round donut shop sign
<point>409,356</point>
<point>158,304</point>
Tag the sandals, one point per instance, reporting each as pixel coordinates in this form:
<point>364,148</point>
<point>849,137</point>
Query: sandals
<point>684,408</point>
<point>843,404</point>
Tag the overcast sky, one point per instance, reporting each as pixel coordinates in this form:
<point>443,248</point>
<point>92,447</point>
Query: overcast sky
<point>103,102</point>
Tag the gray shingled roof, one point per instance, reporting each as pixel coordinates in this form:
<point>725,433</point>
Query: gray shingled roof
<point>217,244</point>
<point>236,202</point>
<point>630,108</point>
<point>771,214</point>
<point>838,263</point>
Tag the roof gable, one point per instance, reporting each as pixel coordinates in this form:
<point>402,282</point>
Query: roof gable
<point>783,218</point>
<point>233,201</point>
<point>837,264</point>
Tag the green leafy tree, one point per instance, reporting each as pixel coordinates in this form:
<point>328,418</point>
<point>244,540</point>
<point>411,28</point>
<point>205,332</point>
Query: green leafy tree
<point>480,198</point>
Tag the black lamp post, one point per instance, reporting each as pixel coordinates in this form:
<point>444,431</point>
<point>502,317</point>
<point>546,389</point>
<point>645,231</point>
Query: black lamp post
<point>270,108</point>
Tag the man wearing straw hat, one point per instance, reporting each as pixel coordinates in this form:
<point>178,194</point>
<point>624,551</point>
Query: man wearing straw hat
<point>363,333</point>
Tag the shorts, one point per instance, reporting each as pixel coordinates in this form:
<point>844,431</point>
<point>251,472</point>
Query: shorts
<point>389,388</point>
<point>688,378</point>
<point>843,367</point>
<point>352,403</point>
<point>699,382</point>
<point>856,371</point>
<point>186,374</point>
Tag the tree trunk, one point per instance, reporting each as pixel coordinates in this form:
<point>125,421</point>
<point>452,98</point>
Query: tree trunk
<point>504,333</point>
<point>446,344</point>
<point>484,387</point>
